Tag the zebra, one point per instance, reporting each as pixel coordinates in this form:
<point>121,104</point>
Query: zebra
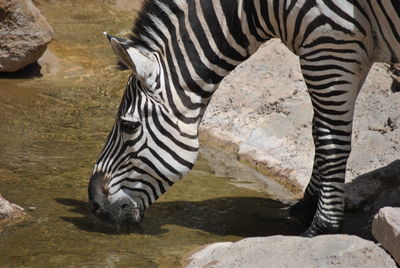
<point>179,52</point>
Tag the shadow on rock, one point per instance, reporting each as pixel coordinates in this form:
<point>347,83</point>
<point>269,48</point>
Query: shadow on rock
<point>366,194</point>
<point>31,71</point>
<point>239,216</point>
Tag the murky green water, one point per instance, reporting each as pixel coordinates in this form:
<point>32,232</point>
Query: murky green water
<point>52,129</point>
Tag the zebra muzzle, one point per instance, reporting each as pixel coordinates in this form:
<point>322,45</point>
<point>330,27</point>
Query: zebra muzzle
<point>123,210</point>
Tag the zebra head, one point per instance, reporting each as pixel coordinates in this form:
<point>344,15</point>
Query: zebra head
<point>149,147</point>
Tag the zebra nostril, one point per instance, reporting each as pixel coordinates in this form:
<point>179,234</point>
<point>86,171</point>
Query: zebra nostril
<point>94,206</point>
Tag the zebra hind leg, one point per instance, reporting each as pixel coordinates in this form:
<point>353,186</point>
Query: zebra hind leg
<point>333,88</point>
<point>333,147</point>
<point>305,209</point>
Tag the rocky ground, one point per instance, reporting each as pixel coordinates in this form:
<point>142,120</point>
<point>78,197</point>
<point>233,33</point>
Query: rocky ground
<point>289,251</point>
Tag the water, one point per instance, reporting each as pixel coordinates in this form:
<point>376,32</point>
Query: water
<point>53,127</point>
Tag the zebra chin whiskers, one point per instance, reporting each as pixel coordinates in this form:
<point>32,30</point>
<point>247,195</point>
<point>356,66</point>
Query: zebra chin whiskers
<point>124,227</point>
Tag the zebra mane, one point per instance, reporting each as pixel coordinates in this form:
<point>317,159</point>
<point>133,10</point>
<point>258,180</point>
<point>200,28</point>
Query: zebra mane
<point>142,21</point>
<point>149,9</point>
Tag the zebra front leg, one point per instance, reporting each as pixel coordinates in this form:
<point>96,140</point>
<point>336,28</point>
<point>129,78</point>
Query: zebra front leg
<point>333,88</point>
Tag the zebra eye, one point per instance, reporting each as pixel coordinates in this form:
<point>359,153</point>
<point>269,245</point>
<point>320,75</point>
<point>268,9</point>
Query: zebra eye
<point>129,126</point>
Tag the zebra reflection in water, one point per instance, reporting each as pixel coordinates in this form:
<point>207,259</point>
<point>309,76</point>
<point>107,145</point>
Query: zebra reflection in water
<point>182,49</point>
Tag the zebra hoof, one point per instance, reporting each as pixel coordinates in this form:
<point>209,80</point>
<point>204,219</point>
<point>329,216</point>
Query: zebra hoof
<point>304,210</point>
<point>315,230</point>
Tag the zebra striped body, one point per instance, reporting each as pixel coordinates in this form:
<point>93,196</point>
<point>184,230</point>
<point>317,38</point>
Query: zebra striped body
<point>180,52</point>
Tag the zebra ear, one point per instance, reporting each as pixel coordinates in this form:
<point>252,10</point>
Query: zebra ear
<point>140,62</point>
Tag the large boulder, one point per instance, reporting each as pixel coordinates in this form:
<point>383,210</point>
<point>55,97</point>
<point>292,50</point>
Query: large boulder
<point>24,34</point>
<point>290,251</point>
<point>262,113</point>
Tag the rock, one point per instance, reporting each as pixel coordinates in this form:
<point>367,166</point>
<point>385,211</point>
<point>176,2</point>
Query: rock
<point>226,165</point>
<point>49,63</point>
<point>286,251</point>
<point>376,189</point>
<point>10,213</point>
<point>386,230</point>
<point>24,34</point>
<point>254,114</point>
<point>262,113</point>
<point>9,210</point>
<point>366,194</point>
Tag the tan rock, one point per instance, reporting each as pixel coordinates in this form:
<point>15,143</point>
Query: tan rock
<point>10,213</point>
<point>291,251</point>
<point>262,113</point>
<point>24,34</point>
<point>386,230</point>
<point>9,210</point>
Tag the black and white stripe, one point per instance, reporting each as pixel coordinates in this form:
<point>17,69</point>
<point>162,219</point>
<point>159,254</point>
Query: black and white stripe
<point>191,45</point>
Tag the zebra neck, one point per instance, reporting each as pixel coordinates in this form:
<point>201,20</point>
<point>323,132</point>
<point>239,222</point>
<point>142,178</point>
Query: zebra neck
<point>200,42</point>
<point>204,41</point>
